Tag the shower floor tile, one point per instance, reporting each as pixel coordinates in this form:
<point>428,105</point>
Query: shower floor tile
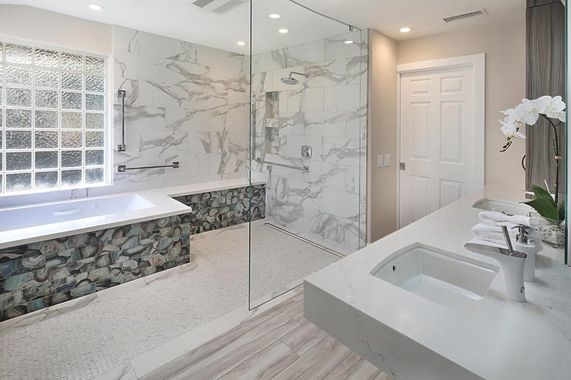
<point>88,337</point>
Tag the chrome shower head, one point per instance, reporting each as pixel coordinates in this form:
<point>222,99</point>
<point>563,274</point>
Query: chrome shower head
<point>290,80</point>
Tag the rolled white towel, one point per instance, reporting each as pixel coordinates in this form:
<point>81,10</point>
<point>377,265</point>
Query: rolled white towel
<point>493,218</point>
<point>492,234</point>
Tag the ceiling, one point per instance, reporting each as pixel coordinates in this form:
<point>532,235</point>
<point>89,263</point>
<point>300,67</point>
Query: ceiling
<point>183,20</point>
<point>423,16</point>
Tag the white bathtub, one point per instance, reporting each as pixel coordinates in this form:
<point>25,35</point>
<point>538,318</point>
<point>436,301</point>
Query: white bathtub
<point>34,215</point>
<point>37,222</point>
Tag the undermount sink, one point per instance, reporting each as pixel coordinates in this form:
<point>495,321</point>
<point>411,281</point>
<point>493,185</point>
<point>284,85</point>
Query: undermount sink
<point>503,206</point>
<point>436,275</point>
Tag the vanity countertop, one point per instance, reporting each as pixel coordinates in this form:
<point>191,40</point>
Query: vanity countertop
<point>413,338</point>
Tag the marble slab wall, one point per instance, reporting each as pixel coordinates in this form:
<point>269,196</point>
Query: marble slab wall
<point>43,274</point>
<point>186,103</point>
<point>225,208</point>
<point>328,111</point>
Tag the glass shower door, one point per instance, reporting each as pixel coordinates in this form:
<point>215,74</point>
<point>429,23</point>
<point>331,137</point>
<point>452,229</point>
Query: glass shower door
<point>308,144</point>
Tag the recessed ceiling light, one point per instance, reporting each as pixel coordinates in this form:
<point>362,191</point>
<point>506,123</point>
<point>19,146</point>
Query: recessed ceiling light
<point>349,42</point>
<point>283,31</point>
<point>275,16</point>
<point>405,29</point>
<point>95,7</point>
<point>241,43</point>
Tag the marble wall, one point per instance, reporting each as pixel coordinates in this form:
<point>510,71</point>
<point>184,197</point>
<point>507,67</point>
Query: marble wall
<point>186,103</point>
<point>38,275</point>
<point>327,111</point>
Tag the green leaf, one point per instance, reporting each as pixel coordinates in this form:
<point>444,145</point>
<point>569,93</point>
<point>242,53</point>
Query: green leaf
<point>545,208</point>
<point>561,210</point>
<point>541,193</point>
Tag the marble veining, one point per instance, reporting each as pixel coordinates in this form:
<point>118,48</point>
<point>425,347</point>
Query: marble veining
<point>185,102</point>
<point>328,111</point>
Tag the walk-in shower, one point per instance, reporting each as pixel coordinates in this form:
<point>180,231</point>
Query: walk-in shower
<point>308,143</point>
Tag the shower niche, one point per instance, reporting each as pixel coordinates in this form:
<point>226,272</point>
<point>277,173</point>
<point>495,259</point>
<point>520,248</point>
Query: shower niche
<point>271,123</point>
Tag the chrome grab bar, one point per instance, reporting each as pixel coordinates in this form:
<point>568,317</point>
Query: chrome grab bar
<point>124,168</point>
<point>304,168</point>
<point>122,147</point>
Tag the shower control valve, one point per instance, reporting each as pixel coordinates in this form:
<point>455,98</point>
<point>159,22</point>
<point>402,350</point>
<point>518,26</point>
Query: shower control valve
<point>306,152</point>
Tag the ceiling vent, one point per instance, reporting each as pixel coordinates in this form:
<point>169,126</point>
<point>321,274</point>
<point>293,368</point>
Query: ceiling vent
<point>464,16</point>
<point>218,6</point>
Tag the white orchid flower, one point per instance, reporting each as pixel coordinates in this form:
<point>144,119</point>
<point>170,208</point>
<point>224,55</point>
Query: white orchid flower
<point>555,107</point>
<point>511,112</point>
<point>528,111</point>
<point>562,116</point>
<point>510,128</point>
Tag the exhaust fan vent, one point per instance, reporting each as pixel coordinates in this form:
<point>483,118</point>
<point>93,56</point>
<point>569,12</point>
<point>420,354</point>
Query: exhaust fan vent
<point>218,6</point>
<point>464,16</point>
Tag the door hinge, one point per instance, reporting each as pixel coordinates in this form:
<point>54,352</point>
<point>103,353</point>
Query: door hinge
<point>402,166</point>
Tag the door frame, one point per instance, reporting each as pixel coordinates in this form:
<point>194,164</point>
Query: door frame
<point>478,63</point>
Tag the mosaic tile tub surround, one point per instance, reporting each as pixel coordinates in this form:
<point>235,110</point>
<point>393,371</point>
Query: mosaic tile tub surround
<point>38,275</point>
<point>224,208</point>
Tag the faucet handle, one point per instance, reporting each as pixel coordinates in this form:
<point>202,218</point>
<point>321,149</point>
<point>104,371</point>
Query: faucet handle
<point>508,240</point>
<point>524,231</point>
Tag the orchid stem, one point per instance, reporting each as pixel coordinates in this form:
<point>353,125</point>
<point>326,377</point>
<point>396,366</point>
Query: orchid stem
<point>557,156</point>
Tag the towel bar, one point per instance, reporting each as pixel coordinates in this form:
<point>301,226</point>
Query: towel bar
<point>124,168</point>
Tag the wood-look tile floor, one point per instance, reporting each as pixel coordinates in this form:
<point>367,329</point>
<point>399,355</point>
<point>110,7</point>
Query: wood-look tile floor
<point>277,344</point>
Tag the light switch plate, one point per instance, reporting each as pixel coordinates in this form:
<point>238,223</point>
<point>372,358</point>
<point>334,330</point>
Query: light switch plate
<point>387,160</point>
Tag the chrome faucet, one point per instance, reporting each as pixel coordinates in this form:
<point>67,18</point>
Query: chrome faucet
<point>512,263</point>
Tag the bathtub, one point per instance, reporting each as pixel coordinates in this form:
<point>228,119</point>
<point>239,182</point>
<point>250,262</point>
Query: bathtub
<point>37,222</point>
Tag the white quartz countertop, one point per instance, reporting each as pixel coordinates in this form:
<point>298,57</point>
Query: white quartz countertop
<point>494,338</point>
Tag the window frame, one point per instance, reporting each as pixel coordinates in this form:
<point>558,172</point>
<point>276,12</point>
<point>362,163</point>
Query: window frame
<point>108,127</point>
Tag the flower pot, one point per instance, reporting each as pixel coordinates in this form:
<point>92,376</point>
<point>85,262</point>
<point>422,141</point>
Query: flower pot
<point>551,231</point>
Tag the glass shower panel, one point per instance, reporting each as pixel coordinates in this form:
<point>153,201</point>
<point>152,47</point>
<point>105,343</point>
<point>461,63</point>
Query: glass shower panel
<point>308,144</point>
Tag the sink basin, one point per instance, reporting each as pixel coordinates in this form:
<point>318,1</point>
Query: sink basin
<point>441,277</point>
<point>503,206</point>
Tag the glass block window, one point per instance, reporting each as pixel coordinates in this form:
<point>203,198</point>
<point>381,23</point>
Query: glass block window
<point>52,119</point>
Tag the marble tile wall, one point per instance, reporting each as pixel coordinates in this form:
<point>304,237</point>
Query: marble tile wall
<point>327,111</point>
<point>43,274</point>
<point>186,103</point>
<point>224,208</point>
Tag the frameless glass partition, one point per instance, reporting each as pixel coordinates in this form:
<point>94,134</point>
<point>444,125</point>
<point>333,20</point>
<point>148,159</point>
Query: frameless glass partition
<point>308,144</point>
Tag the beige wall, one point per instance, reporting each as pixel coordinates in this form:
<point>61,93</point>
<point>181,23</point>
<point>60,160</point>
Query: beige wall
<point>55,29</point>
<point>382,182</point>
<point>504,46</point>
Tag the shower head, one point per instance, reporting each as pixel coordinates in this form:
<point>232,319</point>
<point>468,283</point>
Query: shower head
<point>290,80</point>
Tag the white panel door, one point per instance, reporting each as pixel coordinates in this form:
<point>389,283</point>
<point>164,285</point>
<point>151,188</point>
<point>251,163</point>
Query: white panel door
<point>438,140</point>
